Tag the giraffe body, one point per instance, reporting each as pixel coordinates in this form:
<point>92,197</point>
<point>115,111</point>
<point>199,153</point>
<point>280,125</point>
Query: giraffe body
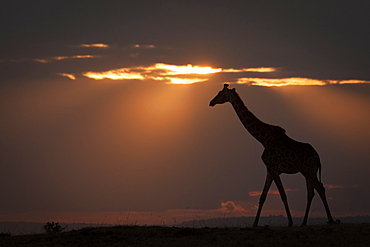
<point>281,155</point>
<point>284,155</point>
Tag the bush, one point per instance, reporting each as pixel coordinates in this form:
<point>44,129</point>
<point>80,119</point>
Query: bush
<point>52,227</point>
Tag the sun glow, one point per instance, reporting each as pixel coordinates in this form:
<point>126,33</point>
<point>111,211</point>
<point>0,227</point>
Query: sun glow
<point>333,111</point>
<point>175,80</point>
<point>186,69</point>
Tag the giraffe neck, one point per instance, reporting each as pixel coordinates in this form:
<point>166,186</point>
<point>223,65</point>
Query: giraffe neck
<point>258,129</point>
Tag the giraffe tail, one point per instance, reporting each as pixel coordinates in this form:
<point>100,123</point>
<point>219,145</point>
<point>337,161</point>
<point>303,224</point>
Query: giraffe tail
<point>320,173</point>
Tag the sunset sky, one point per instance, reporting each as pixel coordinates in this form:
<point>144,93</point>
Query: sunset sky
<point>106,118</point>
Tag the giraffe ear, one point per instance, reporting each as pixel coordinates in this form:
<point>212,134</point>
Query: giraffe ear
<point>233,89</point>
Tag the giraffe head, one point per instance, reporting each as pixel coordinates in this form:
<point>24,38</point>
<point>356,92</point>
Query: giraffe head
<point>222,97</point>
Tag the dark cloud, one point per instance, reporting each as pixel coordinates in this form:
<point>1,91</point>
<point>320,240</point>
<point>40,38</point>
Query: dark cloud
<point>316,38</point>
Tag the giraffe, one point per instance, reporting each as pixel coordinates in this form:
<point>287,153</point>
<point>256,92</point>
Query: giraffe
<point>281,155</point>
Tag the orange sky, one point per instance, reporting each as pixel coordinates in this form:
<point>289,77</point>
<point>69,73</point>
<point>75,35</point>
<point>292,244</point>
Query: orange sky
<point>157,140</point>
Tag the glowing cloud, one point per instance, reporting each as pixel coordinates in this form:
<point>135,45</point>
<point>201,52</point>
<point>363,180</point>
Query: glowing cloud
<point>70,76</point>
<point>81,56</point>
<point>42,60</point>
<point>189,74</point>
<point>231,206</point>
<point>120,74</point>
<point>268,82</point>
<point>97,45</point>
<point>260,70</point>
<point>144,46</point>
<point>350,82</point>
<point>339,186</point>
<point>71,57</point>
<point>59,58</point>
<point>293,81</point>
<point>174,74</point>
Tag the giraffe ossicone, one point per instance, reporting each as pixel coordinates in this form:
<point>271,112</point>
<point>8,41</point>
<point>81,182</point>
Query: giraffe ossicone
<point>282,154</point>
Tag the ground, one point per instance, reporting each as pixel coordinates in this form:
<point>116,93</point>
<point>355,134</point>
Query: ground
<point>321,235</point>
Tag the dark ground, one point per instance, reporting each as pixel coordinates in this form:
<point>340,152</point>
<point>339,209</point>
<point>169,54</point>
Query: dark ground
<point>322,235</point>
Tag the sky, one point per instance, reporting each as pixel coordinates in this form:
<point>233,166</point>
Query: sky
<point>106,118</point>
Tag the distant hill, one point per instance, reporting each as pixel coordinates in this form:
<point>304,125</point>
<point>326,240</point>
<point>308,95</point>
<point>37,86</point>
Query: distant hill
<point>269,220</point>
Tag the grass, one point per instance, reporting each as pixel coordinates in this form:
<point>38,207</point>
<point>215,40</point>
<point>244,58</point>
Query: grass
<point>321,235</point>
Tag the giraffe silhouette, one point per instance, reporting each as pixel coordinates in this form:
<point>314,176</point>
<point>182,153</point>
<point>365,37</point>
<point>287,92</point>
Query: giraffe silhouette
<point>281,155</point>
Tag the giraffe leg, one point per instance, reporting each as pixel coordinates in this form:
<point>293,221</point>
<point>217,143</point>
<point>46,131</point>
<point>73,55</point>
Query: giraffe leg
<point>280,187</point>
<point>319,187</point>
<point>310,195</point>
<point>263,197</point>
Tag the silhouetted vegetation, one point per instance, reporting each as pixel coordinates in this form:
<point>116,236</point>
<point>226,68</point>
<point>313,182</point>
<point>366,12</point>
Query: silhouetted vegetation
<point>5,234</point>
<point>52,227</point>
<point>321,235</point>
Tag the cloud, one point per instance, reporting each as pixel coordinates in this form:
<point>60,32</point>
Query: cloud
<point>48,59</point>
<point>42,60</point>
<point>273,192</point>
<point>231,206</point>
<point>293,81</point>
<point>175,74</point>
<point>339,186</point>
<point>59,58</point>
<point>261,70</point>
<point>96,45</point>
<point>189,74</point>
<point>348,82</point>
<point>144,46</point>
<point>119,74</point>
<point>70,76</point>
<point>279,82</point>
